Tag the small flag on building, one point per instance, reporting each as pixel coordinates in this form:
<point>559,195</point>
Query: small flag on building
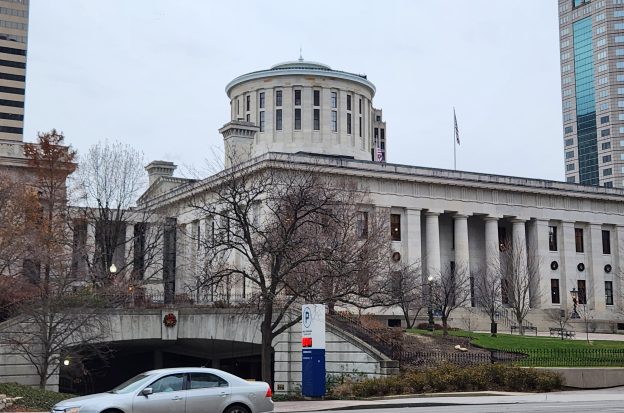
<point>379,155</point>
<point>456,128</point>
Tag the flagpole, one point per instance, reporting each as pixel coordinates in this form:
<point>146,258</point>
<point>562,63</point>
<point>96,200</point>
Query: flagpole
<point>454,142</point>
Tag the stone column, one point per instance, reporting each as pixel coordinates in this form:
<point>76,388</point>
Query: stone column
<point>568,264</point>
<point>595,270</point>
<point>433,244</point>
<point>462,252</point>
<point>413,236</point>
<point>618,266</point>
<point>492,252</point>
<point>538,240</point>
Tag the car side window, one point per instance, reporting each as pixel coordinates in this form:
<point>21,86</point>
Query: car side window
<point>206,381</point>
<point>174,382</point>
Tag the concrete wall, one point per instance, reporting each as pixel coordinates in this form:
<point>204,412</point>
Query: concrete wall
<point>590,377</point>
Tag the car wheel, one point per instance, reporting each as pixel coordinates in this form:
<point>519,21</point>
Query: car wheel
<point>237,408</point>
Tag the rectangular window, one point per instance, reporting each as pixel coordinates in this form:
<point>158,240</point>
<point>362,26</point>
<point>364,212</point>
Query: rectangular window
<point>334,121</point>
<point>297,119</point>
<point>609,292</point>
<point>395,227</point>
<point>601,42</point>
<point>262,121</point>
<point>348,102</point>
<point>362,224</point>
<point>349,123</point>
<point>618,26</point>
<point>569,155</point>
<point>619,78</point>
<point>607,172</point>
<point>608,184</point>
<point>317,98</point>
<point>554,291</point>
<point>248,117</point>
<point>571,179</point>
<point>606,241</point>
<point>278,119</point>
<point>606,158</point>
<point>334,100</point>
<point>298,97</point>
<point>237,106</point>
<point>618,13</point>
<point>619,39</point>
<point>569,167</point>
<point>569,129</point>
<point>578,239</point>
<point>605,132</point>
<point>582,292</point>
<point>248,103</point>
<point>604,119</point>
<point>360,126</point>
<point>317,119</point>
<point>278,98</point>
<point>552,238</point>
<point>606,145</point>
<point>604,106</point>
<point>261,100</point>
<point>360,105</point>
<point>569,142</point>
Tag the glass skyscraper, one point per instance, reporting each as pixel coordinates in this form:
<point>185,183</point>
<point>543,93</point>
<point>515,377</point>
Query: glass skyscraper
<point>592,85</point>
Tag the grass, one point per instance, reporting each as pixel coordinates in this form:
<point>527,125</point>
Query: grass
<point>548,351</point>
<point>32,398</point>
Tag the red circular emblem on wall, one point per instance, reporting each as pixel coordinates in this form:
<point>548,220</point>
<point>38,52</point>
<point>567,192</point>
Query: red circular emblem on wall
<point>170,320</point>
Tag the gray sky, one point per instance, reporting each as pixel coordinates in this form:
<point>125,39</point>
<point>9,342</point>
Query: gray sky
<point>152,73</point>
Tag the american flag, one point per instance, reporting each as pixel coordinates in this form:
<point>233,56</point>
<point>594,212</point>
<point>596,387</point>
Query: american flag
<point>456,128</point>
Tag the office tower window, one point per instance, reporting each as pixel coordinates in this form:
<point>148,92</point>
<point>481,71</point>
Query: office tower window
<point>278,119</point>
<point>262,121</point>
<point>334,100</point>
<point>578,239</point>
<point>395,227</point>
<point>609,292</point>
<point>554,291</point>
<point>606,242</point>
<point>248,103</point>
<point>569,142</point>
<point>606,145</point>
<point>552,238</point>
<point>349,123</point>
<point>605,132</point>
<point>582,292</point>
<point>606,158</point>
<point>570,167</point>
<point>298,97</point>
<point>297,119</point>
<point>605,119</point>
<point>261,100</point>
<point>317,98</point>
<point>608,184</point>
<point>569,155</point>
<point>569,129</point>
<point>278,98</point>
<point>334,121</point>
<point>571,179</point>
<point>317,119</point>
<point>607,172</point>
<point>348,102</point>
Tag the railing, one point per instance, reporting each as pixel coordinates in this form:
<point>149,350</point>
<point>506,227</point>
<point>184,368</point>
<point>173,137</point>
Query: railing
<point>505,318</point>
<point>387,340</point>
<point>594,357</point>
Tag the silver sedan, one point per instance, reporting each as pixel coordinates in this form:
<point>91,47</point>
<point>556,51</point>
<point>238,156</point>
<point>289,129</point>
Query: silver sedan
<point>179,390</point>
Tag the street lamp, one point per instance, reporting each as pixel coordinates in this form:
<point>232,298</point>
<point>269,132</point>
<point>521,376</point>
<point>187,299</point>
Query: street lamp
<point>431,326</point>
<point>575,314</point>
<point>113,269</point>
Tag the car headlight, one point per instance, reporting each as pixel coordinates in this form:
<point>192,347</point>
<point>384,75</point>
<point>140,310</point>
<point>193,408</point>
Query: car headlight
<point>72,410</point>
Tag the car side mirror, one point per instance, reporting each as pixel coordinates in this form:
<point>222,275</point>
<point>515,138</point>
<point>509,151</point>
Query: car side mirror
<point>147,391</point>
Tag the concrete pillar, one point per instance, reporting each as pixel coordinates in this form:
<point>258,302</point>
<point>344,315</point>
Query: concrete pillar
<point>618,266</point>
<point>413,236</point>
<point>462,252</point>
<point>567,265</point>
<point>538,243</point>
<point>492,252</point>
<point>595,269</point>
<point>432,233</point>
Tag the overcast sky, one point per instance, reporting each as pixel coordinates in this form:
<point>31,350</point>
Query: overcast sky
<point>152,73</point>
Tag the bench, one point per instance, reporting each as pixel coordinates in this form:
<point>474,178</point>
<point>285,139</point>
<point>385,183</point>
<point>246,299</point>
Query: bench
<point>515,327</point>
<point>558,332</point>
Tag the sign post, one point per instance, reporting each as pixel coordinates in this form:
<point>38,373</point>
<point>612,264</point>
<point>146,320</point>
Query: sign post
<point>313,350</point>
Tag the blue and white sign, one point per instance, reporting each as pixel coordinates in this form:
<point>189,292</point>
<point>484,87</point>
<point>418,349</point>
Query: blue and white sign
<point>313,350</point>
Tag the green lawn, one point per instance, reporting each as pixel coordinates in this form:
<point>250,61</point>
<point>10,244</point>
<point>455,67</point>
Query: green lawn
<point>547,351</point>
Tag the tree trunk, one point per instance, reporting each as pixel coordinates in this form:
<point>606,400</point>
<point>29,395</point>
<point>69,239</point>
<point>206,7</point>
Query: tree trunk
<point>43,375</point>
<point>445,325</point>
<point>266,346</point>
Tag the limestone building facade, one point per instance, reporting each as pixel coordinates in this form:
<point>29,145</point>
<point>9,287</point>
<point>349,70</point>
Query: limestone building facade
<point>439,217</point>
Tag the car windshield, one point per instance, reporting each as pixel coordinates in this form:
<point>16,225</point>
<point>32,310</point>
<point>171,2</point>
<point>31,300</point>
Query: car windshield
<point>131,385</point>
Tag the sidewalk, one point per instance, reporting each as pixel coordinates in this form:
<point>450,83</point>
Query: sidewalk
<point>451,399</point>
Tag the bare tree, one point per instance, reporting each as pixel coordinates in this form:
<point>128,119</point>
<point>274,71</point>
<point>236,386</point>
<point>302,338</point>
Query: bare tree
<point>408,292</point>
<point>110,179</point>
<point>519,274</point>
<point>487,289</point>
<point>285,235</point>
<point>449,291</point>
<point>54,317</point>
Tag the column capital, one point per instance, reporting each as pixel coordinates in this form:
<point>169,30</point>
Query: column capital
<point>460,216</point>
<point>413,211</point>
<point>490,218</point>
<point>518,221</point>
<point>432,214</point>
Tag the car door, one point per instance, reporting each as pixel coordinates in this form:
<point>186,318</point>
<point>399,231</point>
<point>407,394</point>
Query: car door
<point>207,393</point>
<point>168,396</point>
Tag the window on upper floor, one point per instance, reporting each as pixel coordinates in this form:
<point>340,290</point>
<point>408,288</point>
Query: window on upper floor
<point>395,227</point>
<point>261,121</point>
<point>569,142</point>
<point>261,98</point>
<point>297,119</point>
<point>609,292</point>
<point>316,116</point>
<point>578,240</point>
<point>554,291</point>
<point>570,167</point>
<point>606,158</point>
<point>606,241</point>
<point>605,132</point>
<point>348,102</point>
<point>317,97</point>
<point>334,121</point>
<point>278,98</point>
<point>552,238</point>
<point>247,103</point>
<point>334,100</point>
<point>349,123</point>
<point>607,172</point>
<point>297,97</point>
<point>278,119</point>
<point>608,184</point>
<point>569,154</point>
<point>362,224</point>
<point>606,145</point>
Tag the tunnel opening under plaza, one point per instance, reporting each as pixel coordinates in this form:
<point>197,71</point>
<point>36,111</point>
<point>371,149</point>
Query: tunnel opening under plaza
<point>84,371</point>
